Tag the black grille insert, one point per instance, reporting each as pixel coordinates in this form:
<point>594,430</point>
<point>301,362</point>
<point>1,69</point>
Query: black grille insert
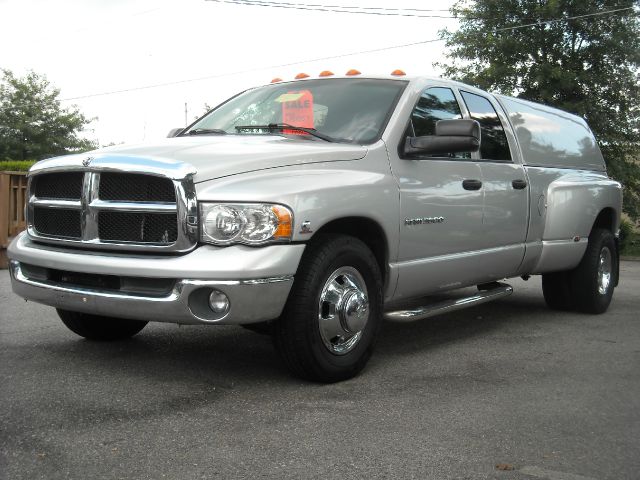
<point>138,227</point>
<point>59,186</point>
<point>57,222</point>
<point>132,187</point>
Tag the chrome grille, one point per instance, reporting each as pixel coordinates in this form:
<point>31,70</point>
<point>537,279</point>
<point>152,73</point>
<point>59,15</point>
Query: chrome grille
<point>112,210</point>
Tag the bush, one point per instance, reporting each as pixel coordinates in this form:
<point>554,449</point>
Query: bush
<point>629,239</point>
<point>15,165</point>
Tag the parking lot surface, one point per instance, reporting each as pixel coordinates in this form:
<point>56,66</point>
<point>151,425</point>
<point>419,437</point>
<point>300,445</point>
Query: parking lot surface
<point>541,394</point>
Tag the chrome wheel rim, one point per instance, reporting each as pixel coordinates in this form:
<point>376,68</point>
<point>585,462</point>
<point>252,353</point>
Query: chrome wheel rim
<point>343,310</point>
<point>604,270</point>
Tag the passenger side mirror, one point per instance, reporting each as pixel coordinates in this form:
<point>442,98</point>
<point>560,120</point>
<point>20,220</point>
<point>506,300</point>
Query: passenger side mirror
<point>174,132</point>
<point>456,135</point>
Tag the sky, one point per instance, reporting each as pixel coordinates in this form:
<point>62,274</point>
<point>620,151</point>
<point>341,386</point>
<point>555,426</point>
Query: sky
<point>210,50</point>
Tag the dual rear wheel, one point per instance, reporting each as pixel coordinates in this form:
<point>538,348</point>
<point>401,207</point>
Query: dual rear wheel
<point>589,287</point>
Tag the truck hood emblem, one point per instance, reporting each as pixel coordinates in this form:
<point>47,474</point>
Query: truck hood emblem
<point>87,161</point>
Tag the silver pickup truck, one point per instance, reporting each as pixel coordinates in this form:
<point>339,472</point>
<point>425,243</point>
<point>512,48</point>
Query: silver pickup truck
<point>316,208</point>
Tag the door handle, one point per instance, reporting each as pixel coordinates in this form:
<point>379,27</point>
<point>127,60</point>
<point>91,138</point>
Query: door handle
<point>471,184</point>
<point>519,184</point>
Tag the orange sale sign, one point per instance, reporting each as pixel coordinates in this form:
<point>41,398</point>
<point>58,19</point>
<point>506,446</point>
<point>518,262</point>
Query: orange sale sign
<point>297,109</point>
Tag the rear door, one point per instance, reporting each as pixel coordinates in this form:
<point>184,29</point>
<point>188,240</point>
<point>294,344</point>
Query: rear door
<point>505,186</point>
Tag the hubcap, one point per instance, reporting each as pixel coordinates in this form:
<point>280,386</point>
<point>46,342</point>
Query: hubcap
<point>343,310</point>
<point>604,270</point>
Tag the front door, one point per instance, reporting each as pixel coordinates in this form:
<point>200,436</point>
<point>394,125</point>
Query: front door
<point>441,205</point>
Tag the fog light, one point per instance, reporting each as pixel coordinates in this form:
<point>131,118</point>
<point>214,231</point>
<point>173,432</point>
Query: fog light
<point>218,302</point>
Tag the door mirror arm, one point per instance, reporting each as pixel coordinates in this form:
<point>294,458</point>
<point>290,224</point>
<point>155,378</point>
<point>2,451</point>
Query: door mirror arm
<point>174,132</point>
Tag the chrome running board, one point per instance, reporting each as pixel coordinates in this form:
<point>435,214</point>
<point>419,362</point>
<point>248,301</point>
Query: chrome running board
<point>446,306</point>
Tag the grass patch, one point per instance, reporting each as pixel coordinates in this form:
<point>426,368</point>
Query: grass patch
<point>15,165</point>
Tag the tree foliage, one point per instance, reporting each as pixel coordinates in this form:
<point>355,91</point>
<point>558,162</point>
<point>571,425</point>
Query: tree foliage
<point>33,124</point>
<point>588,66</point>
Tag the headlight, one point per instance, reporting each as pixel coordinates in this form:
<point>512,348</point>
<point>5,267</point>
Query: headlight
<point>248,223</point>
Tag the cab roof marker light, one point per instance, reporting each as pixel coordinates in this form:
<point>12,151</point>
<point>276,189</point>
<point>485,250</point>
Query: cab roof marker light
<point>352,72</point>
<point>398,73</point>
<point>276,80</point>
<point>326,73</point>
<point>300,76</point>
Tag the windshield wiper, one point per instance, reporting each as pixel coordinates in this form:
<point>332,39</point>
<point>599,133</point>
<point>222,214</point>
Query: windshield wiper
<point>285,126</point>
<point>207,131</point>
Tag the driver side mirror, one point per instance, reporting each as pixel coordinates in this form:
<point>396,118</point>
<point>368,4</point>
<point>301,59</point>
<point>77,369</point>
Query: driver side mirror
<point>456,135</point>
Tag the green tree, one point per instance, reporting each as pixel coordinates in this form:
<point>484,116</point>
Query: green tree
<point>587,66</point>
<point>33,124</point>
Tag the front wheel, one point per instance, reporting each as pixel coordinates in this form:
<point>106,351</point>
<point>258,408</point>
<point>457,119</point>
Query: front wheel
<point>329,325</point>
<point>97,327</point>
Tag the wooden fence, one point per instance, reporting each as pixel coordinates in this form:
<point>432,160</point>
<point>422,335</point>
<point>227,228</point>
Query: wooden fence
<point>13,190</point>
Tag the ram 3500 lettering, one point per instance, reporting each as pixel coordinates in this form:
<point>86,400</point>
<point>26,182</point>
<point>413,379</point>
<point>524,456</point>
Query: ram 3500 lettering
<point>316,208</point>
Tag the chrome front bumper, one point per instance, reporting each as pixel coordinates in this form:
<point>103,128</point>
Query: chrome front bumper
<point>257,281</point>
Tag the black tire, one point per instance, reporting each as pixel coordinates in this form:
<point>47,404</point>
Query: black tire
<point>579,289</point>
<point>556,288</point>
<point>99,328</point>
<point>297,334</point>
<point>587,294</point>
<point>263,328</point>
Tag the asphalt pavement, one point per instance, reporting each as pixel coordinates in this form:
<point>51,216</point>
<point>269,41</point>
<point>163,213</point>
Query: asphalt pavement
<point>505,390</point>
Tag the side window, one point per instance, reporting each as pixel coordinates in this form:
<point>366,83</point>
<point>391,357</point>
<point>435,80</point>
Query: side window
<point>494,145</point>
<point>436,103</point>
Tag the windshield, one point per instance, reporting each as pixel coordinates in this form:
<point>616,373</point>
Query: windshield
<point>342,110</point>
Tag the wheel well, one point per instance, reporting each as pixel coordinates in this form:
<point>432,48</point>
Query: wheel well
<point>605,219</point>
<point>366,230</point>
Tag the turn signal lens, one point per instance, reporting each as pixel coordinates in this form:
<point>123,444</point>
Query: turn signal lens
<point>301,76</point>
<point>283,232</point>
<point>353,71</point>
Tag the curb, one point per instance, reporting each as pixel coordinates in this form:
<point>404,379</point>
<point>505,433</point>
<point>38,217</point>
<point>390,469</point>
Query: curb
<point>626,258</point>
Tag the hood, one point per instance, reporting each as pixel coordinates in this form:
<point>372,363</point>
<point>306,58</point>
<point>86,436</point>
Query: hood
<point>221,156</point>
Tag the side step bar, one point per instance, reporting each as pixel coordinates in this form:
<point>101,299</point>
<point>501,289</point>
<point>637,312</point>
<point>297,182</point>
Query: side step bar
<point>498,291</point>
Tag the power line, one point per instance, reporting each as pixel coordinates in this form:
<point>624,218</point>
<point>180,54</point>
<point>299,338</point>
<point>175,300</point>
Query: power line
<point>556,20</point>
<point>331,9</point>
<point>331,57</point>
<point>354,7</point>
<point>240,72</point>
<point>383,11</point>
